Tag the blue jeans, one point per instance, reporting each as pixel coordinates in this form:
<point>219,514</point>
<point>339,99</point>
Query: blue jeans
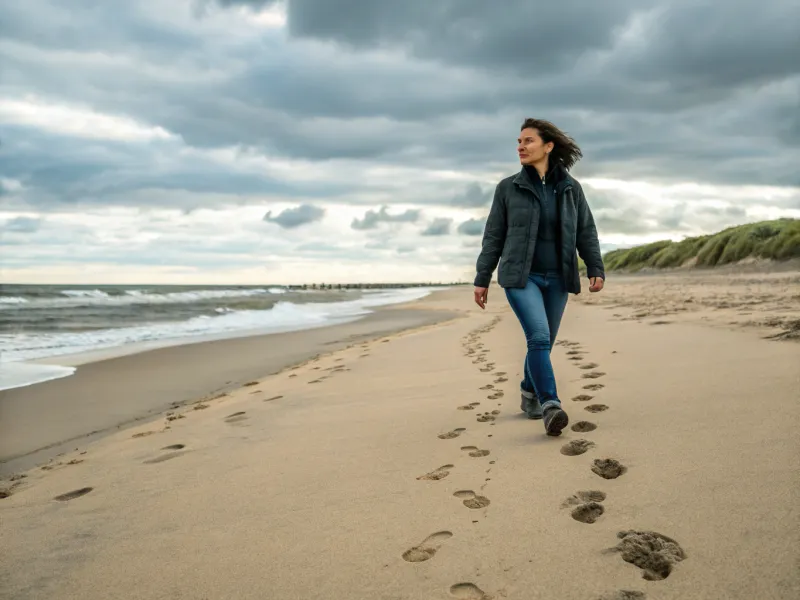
<point>539,307</point>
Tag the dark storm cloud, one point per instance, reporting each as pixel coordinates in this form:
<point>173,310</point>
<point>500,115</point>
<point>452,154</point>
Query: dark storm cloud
<point>372,218</point>
<point>297,216</point>
<point>474,196</point>
<point>470,32</point>
<point>700,42</point>
<point>472,227</point>
<point>438,227</point>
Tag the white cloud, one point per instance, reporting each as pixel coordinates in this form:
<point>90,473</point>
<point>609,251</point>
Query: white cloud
<point>77,121</point>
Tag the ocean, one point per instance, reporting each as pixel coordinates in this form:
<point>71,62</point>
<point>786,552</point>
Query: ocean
<point>48,321</point>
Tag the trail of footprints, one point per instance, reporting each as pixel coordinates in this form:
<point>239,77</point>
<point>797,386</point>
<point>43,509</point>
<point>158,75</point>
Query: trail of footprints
<point>471,499</point>
<point>652,552</point>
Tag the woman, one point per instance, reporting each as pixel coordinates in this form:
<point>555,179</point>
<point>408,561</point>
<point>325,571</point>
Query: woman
<point>538,219</point>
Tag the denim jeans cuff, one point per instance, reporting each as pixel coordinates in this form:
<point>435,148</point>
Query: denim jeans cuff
<point>551,403</point>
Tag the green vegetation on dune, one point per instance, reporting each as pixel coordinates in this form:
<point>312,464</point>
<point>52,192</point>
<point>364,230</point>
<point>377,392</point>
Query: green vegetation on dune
<point>767,240</point>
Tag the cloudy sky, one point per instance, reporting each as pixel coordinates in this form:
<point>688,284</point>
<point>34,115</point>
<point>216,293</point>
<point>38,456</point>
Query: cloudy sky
<point>262,141</point>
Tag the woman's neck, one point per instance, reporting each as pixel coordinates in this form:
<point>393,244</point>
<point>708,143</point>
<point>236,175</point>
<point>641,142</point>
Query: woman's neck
<point>542,166</point>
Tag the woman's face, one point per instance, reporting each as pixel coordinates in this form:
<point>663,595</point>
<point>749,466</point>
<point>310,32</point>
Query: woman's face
<point>531,148</point>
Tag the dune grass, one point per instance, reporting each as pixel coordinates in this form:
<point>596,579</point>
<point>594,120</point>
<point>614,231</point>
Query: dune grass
<point>769,240</point>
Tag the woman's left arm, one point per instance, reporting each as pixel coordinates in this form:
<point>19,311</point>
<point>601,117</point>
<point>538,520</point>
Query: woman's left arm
<point>587,242</point>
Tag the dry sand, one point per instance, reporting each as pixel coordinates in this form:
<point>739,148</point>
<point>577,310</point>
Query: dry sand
<point>362,474</point>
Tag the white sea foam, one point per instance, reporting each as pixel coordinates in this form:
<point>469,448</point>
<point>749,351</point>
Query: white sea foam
<point>98,297</point>
<point>20,374</point>
<point>283,316</point>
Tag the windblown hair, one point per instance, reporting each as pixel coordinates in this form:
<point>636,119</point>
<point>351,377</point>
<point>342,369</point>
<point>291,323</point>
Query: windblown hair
<point>565,150</point>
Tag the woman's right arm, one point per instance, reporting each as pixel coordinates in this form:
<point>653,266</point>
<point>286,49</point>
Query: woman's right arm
<point>494,237</point>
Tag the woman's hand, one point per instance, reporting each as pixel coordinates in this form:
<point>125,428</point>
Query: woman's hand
<point>596,284</point>
<point>481,296</point>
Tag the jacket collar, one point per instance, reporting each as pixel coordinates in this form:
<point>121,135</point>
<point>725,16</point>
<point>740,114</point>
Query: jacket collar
<point>556,171</point>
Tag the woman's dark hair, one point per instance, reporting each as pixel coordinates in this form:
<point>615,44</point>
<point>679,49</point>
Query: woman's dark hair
<point>565,150</point>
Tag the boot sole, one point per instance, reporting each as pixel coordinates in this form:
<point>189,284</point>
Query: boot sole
<point>558,423</point>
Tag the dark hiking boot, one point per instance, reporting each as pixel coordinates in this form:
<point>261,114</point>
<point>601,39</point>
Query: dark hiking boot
<point>555,419</point>
<point>530,405</point>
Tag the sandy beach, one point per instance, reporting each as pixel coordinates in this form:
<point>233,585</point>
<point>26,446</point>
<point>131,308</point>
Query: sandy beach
<point>393,461</point>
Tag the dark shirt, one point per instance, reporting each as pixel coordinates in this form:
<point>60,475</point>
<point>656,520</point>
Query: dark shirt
<point>545,255</point>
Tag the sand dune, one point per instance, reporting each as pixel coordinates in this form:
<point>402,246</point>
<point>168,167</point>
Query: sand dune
<point>402,468</point>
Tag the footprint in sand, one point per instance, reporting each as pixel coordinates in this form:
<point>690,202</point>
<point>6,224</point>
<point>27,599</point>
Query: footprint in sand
<point>608,468</point>
<point>452,434</point>
<point>249,383</point>
<point>501,373</point>
<point>177,451</point>
<point>593,375</point>
<point>145,433</point>
<point>495,396</point>
<point>594,386</point>
<point>475,452</point>
<point>487,387</point>
<point>624,595</point>
<point>583,427</point>
<point>236,418</point>
<point>273,398</point>
<point>427,548</point>
<point>73,494</point>
<point>652,552</point>
<point>596,408</point>
<point>437,474</point>
<point>575,358</point>
<point>501,380</point>
<point>573,352</point>
<point>588,366</point>
<point>583,497</point>
<point>466,407</point>
<point>582,398</point>
<point>568,344</point>
<point>175,447</point>
<point>576,447</point>
<point>485,418</point>
<point>471,499</point>
<point>588,513</point>
<point>468,591</point>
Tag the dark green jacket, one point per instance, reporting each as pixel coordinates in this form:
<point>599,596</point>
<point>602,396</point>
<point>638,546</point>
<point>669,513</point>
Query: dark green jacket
<point>509,237</point>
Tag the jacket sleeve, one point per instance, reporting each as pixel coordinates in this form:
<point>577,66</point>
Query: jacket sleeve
<point>587,241</point>
<point>494,237</point>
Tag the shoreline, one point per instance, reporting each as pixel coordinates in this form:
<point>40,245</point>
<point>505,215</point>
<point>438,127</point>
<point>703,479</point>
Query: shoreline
<point>44,420</point>
<point>21,371</point>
